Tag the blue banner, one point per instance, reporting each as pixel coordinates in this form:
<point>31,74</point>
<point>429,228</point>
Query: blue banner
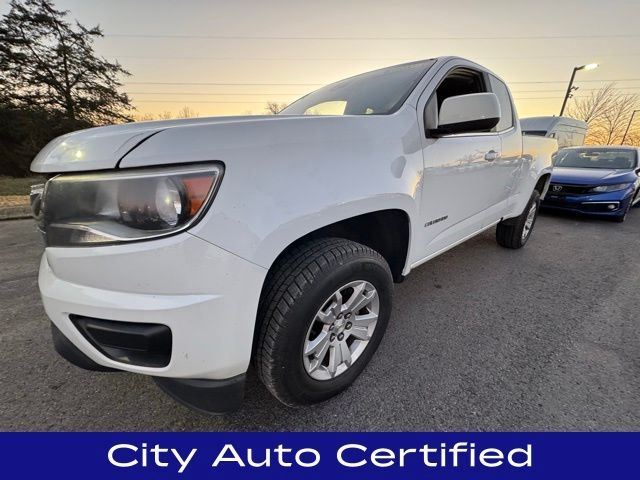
<point>312,456</point>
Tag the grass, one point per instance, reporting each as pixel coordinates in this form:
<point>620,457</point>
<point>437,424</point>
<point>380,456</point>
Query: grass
<point>18,186</point>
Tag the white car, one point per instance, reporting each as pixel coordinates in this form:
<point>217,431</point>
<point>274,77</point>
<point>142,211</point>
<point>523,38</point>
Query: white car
<point>184,249</point>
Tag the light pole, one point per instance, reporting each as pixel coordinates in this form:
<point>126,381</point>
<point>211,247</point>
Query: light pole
<point>589,66</point>
<point>624,137</point>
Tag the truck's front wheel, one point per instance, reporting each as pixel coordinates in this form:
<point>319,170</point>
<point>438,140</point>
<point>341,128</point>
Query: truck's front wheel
<point>324,310</point>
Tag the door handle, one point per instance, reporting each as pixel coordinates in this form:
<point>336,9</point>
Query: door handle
<point>491,155</point>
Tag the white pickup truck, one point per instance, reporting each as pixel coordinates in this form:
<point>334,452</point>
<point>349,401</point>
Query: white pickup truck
<point>185,249</point>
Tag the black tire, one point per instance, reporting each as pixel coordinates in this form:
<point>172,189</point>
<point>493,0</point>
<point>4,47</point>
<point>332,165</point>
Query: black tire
<point>296,288</point>
<point>509,232</point>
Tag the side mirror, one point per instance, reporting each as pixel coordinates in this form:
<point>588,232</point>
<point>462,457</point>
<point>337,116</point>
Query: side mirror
<point>476,112</point>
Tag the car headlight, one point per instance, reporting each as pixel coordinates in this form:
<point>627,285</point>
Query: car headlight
<point>123,206</point>
<point>610,188</point>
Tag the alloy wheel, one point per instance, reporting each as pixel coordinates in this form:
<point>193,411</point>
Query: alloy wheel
<point>528,224</point>
<point>341,330</point>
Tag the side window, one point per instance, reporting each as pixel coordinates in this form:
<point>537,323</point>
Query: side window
<point>334,107</point>
<point>565,139</point>
<point>460,81</point>
<point>506,109</point>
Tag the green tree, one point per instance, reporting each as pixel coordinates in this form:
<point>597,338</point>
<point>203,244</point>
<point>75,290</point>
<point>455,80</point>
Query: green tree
<point>48,63</point>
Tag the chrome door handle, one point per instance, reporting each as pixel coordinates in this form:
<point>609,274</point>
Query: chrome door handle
<point>491,155</point>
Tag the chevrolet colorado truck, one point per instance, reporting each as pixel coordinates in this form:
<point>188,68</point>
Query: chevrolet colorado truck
<point>186,249</point>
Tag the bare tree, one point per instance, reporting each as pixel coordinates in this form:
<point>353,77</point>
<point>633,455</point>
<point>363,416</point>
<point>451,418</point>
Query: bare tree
<point>187,112</point>
<point>274,108</point>
<point>616,118</point>
<point>145,117</point>
<point>607,112</point>
<point>592,107</point>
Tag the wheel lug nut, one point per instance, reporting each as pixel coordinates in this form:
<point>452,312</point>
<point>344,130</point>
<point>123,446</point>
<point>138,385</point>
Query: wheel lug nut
<point>348,325</point>
<point>339,316</point>
<point>331,327</point>
<point>333,337</point>
<point>341,337</point>
<point>347,315</point>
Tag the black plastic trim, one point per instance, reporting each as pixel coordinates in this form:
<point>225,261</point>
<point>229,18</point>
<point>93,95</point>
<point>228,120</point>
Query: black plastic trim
<point>140,344</point>
<point>213,397</point>
<point>474,126</point>
<point>136,146</point>
<point>72,354</point>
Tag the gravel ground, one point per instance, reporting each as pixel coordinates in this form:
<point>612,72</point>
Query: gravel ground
<point>481,338</point>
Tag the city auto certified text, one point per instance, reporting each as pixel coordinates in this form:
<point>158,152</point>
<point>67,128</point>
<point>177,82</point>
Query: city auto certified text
<point>352,455</point>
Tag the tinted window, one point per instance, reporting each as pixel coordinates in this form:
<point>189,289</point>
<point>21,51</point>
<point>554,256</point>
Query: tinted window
<point>461,81</point>
<point>506,110</point>
<point>380,92</point>
<point>610,158</point>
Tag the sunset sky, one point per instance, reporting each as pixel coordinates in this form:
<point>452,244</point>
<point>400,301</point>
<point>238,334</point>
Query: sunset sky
<point>231,57</point>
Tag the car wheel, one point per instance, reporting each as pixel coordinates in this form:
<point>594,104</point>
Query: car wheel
<point>515,232</point>
<point>324,310</point>
<point>634,198</point>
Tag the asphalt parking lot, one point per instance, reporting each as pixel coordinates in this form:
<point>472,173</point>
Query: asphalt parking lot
<point>481,338</point>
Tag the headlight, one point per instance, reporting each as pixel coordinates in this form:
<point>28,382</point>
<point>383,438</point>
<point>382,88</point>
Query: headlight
<point>610,188</point>
<point>123,206</point>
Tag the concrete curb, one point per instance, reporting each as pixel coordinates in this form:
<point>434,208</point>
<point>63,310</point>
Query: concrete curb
<point>15,212</point>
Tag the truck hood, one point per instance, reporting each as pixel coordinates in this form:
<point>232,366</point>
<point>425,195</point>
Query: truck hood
<point>591,176</point>
<point>103,147</point>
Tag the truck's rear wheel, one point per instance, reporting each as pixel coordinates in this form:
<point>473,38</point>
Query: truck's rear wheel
<point>514,232</point>
<point>324,310</point>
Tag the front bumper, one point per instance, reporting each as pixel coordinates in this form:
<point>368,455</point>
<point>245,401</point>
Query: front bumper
<point>596,204</point>
<point>207,297</point>
<point>208,396</point>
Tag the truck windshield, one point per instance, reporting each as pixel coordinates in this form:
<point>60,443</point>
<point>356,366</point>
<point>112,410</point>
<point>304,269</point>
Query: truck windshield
<point>610,158</point>
<point>380,92</point>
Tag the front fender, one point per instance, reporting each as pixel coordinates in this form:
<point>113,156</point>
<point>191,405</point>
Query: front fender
<point>284,179</point>
<point>285,234</point>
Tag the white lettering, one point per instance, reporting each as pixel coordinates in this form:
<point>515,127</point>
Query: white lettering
<point>351,446</point>
<point>234,456</point>
<point>183,462</point>
<point>316,457</point>
<point>383,457</point>
<point>491,457</point>
<point>120,446</point>
<point>527,457</point>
